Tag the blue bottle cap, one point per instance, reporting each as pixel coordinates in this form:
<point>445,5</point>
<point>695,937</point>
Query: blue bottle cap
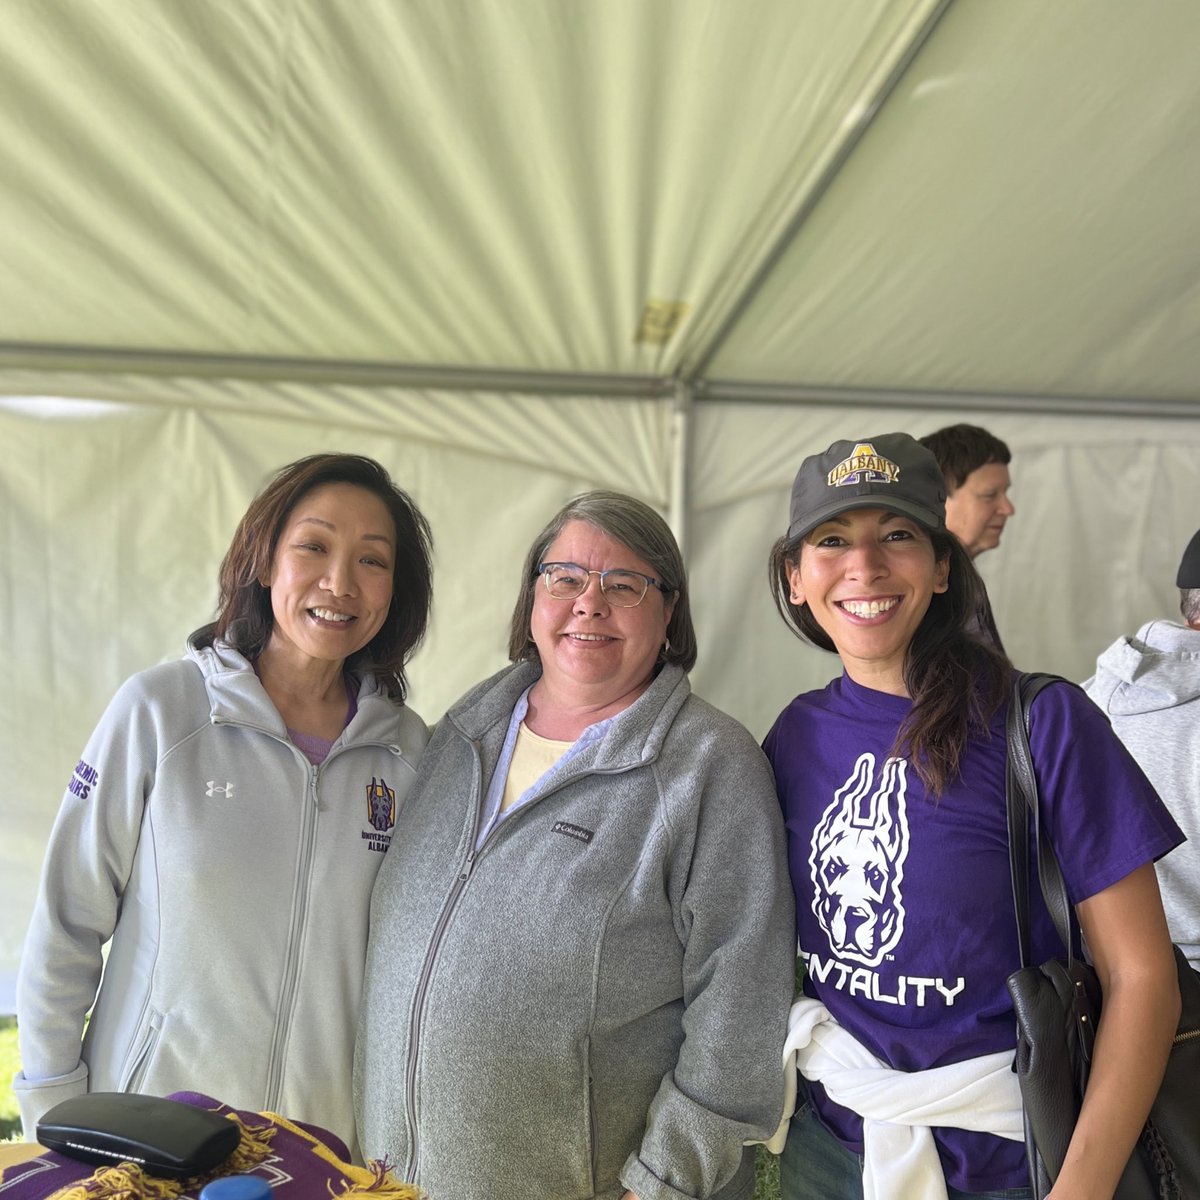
<point>237,1187</point>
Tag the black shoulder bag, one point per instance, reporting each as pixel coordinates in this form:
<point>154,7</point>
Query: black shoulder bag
<point>1057,1006</point>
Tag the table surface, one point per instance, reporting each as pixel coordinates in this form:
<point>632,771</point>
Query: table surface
<point>12,1153</point>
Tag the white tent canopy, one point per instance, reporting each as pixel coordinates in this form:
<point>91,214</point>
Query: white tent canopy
<point>517,250</point>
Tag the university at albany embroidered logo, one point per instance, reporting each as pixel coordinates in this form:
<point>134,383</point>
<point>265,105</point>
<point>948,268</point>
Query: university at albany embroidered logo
<point>381,804</point>
<point>864,466</point>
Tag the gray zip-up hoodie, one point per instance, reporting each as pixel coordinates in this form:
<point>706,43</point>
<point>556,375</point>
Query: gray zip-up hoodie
<point>234,880</point>
<point>597,998</point>
<point>1149,685</point>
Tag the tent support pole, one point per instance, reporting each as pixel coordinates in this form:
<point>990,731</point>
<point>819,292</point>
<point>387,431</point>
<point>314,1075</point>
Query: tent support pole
<point>734,391</point>
<point>31,361</point>
<point>682,413</point>
<point>349,373</point>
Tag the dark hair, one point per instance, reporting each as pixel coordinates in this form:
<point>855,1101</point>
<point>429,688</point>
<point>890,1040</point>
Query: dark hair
<point>647,535</point>
<point>957,679</point>
<point>962,449</point>
<point>244,616</point>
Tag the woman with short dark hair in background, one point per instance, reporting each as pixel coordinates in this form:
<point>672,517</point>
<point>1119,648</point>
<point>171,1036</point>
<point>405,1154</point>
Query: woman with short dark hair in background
<point>582,946</point>
<point>892,780</point>
<point>224,826</point>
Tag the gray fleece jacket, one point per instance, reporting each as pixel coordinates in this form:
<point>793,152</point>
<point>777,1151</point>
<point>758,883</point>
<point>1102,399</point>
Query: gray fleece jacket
<point>234,880</point>
<point>1149,685</point>
<point>596,999</point>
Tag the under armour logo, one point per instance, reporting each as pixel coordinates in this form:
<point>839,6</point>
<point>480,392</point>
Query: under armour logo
<point>226,790</point>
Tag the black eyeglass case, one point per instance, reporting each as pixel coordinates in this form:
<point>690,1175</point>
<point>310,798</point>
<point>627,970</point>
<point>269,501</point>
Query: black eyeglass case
<point>164,1137</point>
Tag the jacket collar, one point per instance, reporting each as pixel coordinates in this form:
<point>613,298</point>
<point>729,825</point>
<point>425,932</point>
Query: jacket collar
<point>634,738</point>
<point>237,697</point>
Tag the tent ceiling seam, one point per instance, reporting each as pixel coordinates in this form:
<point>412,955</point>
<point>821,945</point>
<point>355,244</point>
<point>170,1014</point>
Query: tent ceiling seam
<point>901,54</point>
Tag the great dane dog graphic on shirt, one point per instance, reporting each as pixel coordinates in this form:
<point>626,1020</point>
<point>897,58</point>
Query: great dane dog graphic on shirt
<point>857,861</point>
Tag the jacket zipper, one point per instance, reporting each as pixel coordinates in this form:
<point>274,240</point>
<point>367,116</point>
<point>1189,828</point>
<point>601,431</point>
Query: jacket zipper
<point>464,875</point>
<point>594,1148</point>
<point>291,969</point>
<point>414,1024</point>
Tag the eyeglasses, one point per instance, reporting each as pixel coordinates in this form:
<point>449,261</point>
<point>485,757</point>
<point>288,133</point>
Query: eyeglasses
<point>623,589</point>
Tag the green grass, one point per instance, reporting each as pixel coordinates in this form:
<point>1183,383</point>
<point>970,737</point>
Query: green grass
<point>766,1176</point>
<point>10,1121</point>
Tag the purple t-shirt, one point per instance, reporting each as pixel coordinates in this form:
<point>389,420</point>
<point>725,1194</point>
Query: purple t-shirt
<point>904,903</point>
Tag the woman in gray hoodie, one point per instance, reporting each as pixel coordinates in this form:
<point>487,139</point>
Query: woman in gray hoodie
<point>224,824</point>
<point>582,941</point>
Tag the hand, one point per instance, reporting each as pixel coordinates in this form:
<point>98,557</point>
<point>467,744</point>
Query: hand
<point>631,1196</point>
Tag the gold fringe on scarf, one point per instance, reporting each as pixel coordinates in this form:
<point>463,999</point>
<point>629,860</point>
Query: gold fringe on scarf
<point>381,1184</point>
<point>374,1180</point>
<point>126,1181</point>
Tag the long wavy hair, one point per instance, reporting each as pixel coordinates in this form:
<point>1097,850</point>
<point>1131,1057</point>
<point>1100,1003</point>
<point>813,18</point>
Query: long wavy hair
<point>954,671</point>
<point>244,617</point>
<point>634,524</point>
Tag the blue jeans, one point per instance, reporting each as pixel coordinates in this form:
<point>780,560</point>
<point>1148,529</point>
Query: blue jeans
<point>816,1166</point>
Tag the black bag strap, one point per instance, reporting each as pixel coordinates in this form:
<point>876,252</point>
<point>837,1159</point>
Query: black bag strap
<point>1021,797</point>
<point>1021,794</point>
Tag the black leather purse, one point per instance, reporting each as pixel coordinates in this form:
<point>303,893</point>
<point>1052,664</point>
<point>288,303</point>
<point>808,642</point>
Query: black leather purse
<point>1057,1006</point>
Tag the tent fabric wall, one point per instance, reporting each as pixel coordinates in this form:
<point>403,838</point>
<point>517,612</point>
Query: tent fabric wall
<point>1104,508</point>
<point>116,513</point>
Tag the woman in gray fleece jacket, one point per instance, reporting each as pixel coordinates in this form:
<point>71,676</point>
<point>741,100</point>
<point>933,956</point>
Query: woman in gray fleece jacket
<point>582,941</point>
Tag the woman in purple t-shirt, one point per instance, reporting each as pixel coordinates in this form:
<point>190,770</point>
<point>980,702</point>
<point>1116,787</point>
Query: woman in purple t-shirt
<point>892,784</point>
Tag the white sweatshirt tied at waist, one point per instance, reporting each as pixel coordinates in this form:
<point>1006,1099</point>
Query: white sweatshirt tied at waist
<point>900,1159</point>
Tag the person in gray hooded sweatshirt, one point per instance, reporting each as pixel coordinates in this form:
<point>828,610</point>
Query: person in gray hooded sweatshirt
<point>1149,685</point>
<point>225,822</point>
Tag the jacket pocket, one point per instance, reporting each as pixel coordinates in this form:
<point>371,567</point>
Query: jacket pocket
<point>591,1110</point>
<point>137,1064</point>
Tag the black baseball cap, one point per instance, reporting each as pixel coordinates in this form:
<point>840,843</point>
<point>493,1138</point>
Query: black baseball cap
<point>1189,564</point>
<point>890,470</point>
